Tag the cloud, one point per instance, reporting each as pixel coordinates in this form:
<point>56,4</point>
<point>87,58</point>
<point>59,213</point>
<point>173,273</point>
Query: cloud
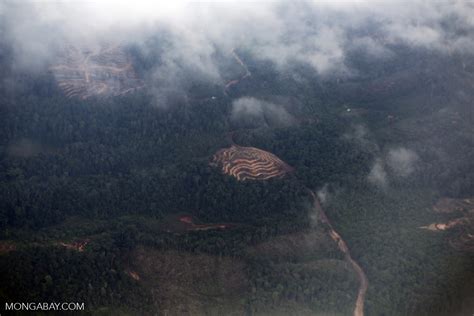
<point>372,47</point>
<point>323,194</point>
<point>318,34</point>
<point>254,112</point>
<point>358,132</point>
<point>377,175</point>
<point>402,161</point>
<point>361,135</point>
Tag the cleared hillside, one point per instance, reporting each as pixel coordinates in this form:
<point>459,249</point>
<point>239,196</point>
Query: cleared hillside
<point>103,71</point>
<point>249,163</point>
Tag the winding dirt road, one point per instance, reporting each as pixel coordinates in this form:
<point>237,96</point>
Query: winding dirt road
<point>341,244</point>
<point>236,81</point>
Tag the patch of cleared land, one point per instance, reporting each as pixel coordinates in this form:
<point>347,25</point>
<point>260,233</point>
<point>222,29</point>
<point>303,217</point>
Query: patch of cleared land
<point>463,227</point>
<point>79,245</point>
<point>448,205</point>
<point>102,71</point>
<point>249,163</point>
<point>6,247</point>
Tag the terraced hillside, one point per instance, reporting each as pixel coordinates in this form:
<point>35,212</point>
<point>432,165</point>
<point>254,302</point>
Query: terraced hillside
<point>104,71</point>
<point>249,163</point>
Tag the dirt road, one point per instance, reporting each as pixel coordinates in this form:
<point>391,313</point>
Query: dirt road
<point>236,81</point>
<point>341,244</point>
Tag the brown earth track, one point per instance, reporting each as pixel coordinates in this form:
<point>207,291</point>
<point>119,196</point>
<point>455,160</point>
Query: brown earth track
<point>252,163</point>
<point>100,72</point>
<point>341,244</point>
<point>236,81</point>
<point>249,163</point>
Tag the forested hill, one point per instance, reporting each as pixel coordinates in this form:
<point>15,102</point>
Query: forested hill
<point>96,194</point>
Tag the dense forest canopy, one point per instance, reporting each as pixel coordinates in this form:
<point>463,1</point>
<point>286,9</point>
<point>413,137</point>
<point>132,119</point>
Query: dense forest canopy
<point>111,193</point>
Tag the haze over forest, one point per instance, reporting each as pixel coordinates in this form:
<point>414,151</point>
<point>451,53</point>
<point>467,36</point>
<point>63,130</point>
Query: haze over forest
<point>238,157</point>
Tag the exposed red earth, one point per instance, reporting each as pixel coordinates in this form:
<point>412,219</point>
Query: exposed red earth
<point>101,71</point>
<point>236,81</point>
<point>255,164</point>
<point>6,247</point>
<point>134,275</point>
<point>463,240</point>
<point>79,245</point>
<point>188,220</point>
<point>341,244</point>
<point>448,205</point>
<point>249,163</point>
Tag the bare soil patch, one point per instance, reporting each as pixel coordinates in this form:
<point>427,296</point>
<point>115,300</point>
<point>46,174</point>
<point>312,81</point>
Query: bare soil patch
<point>79,245</point>
<point>102,71</point>
<point>462,228</point>
<point>249,163</point>
<point>448,205</point>
<point>6,247</point>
